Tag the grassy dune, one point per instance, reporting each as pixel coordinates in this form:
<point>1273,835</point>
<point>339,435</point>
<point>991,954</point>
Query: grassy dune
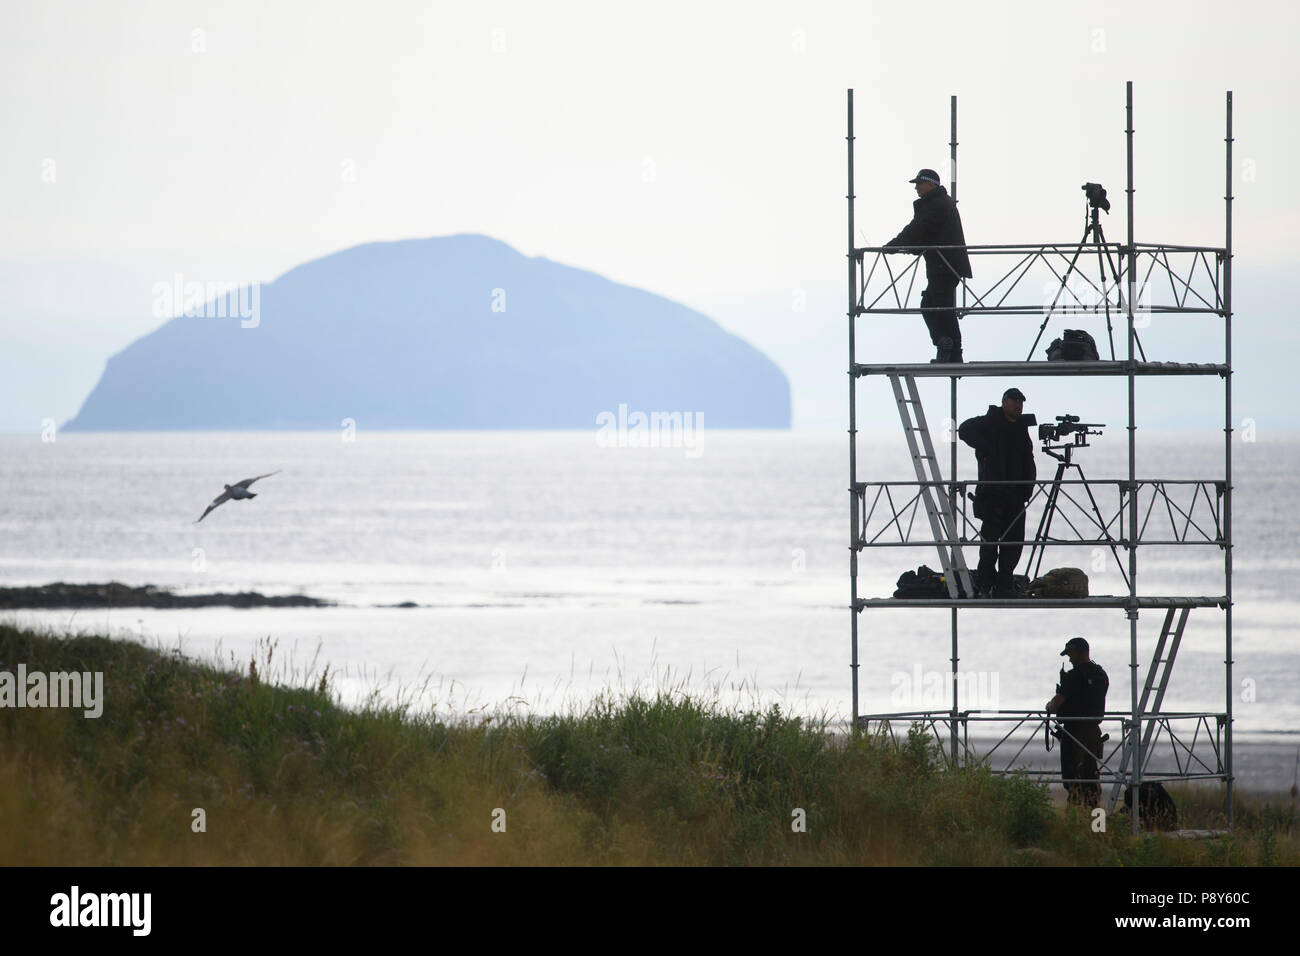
<point>286,776</point>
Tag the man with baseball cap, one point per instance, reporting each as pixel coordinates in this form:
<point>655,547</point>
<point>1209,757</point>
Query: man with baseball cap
<point>936,222</point>
<point>1079,705</point>
<point>1004,452</point>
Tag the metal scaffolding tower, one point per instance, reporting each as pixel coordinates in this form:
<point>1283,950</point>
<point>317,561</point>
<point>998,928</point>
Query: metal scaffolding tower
<point>1119,515</point>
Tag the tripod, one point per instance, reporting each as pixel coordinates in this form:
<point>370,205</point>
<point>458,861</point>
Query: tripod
<point>1091,227</point>
<point>1062,453</point>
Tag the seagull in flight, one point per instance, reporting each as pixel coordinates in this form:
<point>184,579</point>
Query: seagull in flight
<point>238,491</point>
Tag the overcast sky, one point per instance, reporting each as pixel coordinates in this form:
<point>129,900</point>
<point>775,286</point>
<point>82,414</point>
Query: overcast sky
<point>692,149</point>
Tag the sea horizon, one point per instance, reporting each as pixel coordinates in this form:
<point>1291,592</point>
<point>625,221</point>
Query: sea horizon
<point>539,556</point>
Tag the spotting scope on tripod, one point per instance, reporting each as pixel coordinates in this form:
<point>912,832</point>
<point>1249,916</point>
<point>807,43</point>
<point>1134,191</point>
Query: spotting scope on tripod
<point>1108,272</point>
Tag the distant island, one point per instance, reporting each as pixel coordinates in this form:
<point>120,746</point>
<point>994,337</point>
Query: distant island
<point>455,332</point>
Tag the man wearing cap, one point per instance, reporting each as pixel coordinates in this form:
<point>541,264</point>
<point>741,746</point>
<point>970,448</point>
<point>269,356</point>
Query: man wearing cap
<point>936,222</point>
<point>1004,452</point>
<point>1081,694</point>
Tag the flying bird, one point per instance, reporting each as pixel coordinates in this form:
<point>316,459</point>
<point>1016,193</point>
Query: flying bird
<point>238,491</point>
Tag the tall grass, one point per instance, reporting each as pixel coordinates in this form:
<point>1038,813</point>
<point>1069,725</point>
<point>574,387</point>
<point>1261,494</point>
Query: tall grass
<point>285,775</point>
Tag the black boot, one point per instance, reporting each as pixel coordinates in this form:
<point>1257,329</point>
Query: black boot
<point>947,353</point>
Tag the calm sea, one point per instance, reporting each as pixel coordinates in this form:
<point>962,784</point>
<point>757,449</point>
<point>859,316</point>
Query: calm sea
<point>548,567</point>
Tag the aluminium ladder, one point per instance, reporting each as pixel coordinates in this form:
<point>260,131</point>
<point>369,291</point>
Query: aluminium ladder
<point>1157,679</point>
<point>937,507</point>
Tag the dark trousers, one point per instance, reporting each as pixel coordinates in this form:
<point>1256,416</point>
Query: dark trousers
<point>1079,758</point>
<point>1001,523</point>
<point>938,308</point>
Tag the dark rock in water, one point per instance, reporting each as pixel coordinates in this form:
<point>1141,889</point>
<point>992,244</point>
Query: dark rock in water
<point>455,332</point>
<point>116,594</point>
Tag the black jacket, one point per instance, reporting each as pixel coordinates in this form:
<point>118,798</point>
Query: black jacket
<point>936,222</point>
<point>1004,452</point>
<point>1083,691</point>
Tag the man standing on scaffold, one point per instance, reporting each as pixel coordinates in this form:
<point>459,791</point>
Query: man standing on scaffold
<point>936,222</point>
<point>1004,452</point>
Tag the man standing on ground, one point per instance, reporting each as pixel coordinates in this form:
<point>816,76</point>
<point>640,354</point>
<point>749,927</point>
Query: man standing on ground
<point>1004,452</point>
<point>1080,694</point>
<point>936,222</point>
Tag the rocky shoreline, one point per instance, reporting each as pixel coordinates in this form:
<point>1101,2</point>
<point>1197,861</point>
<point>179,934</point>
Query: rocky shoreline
<point>115,594</point>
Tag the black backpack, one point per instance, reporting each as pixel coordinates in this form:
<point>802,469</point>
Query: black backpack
<point>1155,806</point>
<point>1075,346</point>
<point>925,583</point>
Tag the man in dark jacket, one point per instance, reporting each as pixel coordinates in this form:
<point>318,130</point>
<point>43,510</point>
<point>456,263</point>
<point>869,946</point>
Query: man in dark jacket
<point>1080,694</point>
<point>936,222</point>
<point>1004,452</point>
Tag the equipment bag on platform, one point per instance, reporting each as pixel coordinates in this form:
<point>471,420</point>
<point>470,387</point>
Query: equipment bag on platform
<point>1060,583</point>
<point>1075,345</point>
<point>925,583</point>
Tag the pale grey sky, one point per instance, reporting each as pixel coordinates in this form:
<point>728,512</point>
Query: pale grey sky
<point>693,149</point>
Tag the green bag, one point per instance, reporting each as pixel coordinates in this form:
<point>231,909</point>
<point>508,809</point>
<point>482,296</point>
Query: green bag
<point>1060,583</point>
